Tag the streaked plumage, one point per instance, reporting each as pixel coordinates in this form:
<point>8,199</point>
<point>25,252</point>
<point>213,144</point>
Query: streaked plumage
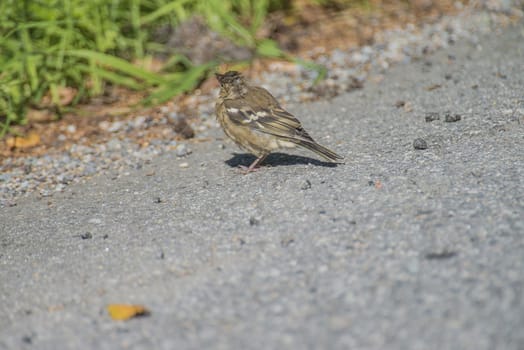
<point>254,119</point>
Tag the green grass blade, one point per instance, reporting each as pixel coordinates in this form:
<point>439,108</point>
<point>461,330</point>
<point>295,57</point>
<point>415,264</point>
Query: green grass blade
<point>188,81</point>
<point>269,48</point>
<point>112,77</point>
<point>118,64</point>
<point>169,8</point>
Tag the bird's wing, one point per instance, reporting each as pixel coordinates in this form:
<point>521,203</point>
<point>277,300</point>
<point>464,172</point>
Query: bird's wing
<point>267,117</point>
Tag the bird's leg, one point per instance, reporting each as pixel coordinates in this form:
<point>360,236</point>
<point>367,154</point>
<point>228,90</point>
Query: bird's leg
<point>256,163</point>
<point>254,166</point>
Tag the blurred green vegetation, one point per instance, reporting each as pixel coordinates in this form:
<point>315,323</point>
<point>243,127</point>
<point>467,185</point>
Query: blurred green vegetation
<point>46,45</point>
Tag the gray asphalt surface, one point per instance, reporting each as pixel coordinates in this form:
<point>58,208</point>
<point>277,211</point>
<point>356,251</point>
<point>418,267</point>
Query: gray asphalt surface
<point>398,248</point>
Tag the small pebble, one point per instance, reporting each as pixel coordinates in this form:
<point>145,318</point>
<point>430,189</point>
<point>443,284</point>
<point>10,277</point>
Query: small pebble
<point>306,185</point>
<point>452,118</point>
<point>285,242</point>
<point>419,143</point>
<point>45,193</point>
<point>181,126</point>
<point>400,103</point>
<point>116,126</point>
<point>184,165</point>
<point>87,235</point>
<point>104,125</point>
<point>432,116</point>
<point>27,339</point>
<point>89,169</point>
<point>182,150</point>
<point>139,122</point>
<point>445,254</point>
<point>114,144</point>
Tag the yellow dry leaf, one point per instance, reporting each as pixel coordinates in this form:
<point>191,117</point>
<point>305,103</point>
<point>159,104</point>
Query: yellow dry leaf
<point>30,140</point>
<point>123,312</point>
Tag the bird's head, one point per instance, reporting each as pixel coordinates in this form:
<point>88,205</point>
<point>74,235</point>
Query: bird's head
<point>232,84</point>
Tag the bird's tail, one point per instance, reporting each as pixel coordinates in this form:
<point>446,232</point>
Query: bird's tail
<point>321,150</point>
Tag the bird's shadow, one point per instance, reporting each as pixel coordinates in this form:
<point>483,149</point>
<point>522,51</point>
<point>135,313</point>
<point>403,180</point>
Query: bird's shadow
<point>276,159</point>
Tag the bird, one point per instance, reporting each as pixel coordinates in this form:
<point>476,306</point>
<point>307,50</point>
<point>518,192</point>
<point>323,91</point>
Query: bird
<point>256,122</point>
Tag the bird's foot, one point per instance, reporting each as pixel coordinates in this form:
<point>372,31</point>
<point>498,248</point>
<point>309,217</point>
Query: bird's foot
<point>254,166</point>
<point>248,169</point>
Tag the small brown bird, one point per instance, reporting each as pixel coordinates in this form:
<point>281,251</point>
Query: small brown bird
<point>254,119</point>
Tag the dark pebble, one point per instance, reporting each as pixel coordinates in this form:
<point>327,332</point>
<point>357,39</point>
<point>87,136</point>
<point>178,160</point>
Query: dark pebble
<point>420,144</point>
<point>86,235</point>
<point>181,126</point>
<point>441,255</point>
<point>253,221</point>
<point>452,118</point>
<point>400,103</point>
<point>432,116</point>
<point>27,339</point>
